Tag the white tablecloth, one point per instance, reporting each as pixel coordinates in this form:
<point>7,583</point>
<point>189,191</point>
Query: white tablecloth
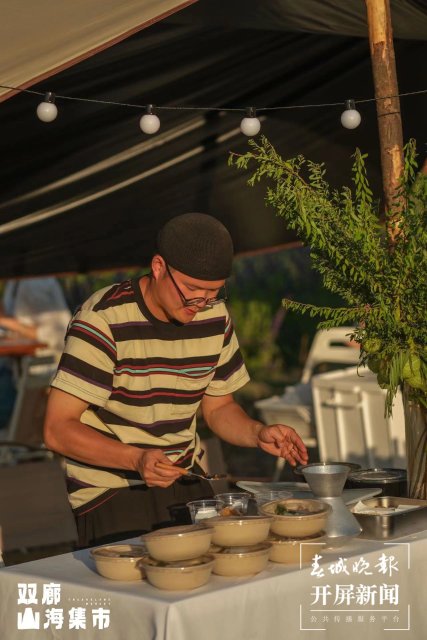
<point>277,604</point>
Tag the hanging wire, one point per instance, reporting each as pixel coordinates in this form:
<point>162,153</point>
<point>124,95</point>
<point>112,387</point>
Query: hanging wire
<point>223,109</point>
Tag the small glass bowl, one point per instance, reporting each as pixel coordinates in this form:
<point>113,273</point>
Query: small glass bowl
<point>202,509</point>
<point>236,503</point>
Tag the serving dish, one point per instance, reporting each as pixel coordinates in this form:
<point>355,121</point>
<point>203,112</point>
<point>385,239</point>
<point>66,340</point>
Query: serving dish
<point>297,518</point>
<point>178,543</point>
<point>390,521</point>
<point>240,561</point>
<point>176,576</point>
<point>236,503</point>
<point>238,531</point>
<point>298,471</point>
<point>391,481</point>
<point>261,497</point>
<point>119,561</point>
<point>302,490</point>
<point>294,551</point>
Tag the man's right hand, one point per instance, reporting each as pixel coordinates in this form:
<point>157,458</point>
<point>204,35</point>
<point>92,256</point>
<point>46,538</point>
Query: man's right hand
<point>153,475</point>
<point>66,434</point>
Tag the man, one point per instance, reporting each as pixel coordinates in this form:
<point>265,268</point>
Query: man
<point>33,308</point>
<point>140,358</point>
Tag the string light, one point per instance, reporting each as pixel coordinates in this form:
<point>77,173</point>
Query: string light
<point>150,123</point>
<point>250,125</point>
<point>350,118</point>
<point>47,110</point>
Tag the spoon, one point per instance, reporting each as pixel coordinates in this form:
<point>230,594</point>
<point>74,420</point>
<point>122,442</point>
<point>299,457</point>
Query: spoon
<point>186,472</point>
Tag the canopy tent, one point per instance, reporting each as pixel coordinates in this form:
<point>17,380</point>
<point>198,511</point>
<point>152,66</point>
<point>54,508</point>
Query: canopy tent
<point>90,190</point>
<point>38,42</point>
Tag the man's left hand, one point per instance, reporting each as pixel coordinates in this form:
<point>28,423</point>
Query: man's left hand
<point>283,441</point>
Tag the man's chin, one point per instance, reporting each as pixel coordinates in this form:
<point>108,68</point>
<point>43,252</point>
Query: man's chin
<point>188,313</point>
<point>183,316</point>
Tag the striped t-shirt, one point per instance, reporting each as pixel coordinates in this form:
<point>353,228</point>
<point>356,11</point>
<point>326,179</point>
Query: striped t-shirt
<point>143,379</point>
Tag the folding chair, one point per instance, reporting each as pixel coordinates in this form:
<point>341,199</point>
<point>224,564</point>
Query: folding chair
<point>331,346</point>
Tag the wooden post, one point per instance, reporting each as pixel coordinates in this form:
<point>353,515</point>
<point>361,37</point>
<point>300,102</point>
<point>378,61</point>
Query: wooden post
<point>388,109</point>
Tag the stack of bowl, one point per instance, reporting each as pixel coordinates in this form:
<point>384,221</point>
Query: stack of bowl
<point>239,544</point>
<point>298,525</point>
<point>119,561</point>
<point>178,557</point>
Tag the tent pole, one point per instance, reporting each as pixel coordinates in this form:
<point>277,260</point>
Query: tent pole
<point>388,109</point>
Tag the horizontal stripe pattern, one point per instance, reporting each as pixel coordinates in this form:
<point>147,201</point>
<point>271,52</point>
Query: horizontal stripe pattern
<point>86,371</point>
<point>197,367</point>
<point>143,380</point>
<point>92,335</point>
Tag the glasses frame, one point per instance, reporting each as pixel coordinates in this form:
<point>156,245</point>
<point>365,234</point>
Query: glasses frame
<point>194,302</point>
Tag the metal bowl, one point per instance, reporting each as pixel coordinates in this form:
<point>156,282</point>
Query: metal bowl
<point>299,469</point>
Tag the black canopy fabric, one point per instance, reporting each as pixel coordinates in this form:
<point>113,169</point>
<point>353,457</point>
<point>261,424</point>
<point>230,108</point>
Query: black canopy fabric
<point>90,190</point>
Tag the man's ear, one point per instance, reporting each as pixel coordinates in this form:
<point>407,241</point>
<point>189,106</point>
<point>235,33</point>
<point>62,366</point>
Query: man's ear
<point>158,266</point>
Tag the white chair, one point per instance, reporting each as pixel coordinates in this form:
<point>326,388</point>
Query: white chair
<point>331,346</point>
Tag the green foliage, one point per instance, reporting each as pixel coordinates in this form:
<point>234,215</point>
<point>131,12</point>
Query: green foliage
<point>383,283</point>
<point>267,277</point>
<point>254,319</point>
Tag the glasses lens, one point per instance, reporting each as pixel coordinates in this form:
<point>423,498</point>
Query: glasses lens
<point>209,302</point>
<point>192,302</point>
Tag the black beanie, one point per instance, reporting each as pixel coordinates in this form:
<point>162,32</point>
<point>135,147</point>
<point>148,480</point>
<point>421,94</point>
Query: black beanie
<point>198,245</point>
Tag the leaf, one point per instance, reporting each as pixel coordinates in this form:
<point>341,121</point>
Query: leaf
<point>384,288</point>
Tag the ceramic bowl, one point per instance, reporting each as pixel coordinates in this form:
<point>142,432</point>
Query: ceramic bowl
<point>176,576</point>
<point>301,517</point>
<point>178,543</point>
<point>240,531</point>
<point>294,551</point>
<point>119,561</point>
<point>240,561</point>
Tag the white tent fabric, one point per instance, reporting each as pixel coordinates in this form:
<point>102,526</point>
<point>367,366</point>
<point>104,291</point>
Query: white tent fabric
<point>43,38</point>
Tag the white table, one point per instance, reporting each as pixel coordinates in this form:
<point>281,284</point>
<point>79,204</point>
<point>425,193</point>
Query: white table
<point>274,605</point>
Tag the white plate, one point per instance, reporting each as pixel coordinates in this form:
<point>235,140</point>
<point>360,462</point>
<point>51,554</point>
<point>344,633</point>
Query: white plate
<point>302,490</point>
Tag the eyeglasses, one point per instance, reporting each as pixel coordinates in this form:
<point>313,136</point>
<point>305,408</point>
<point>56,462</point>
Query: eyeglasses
<point>191,302</point>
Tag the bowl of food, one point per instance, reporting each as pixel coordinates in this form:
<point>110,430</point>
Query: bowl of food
<point>203,509</point>
<point>297,517</point>
<point>119,561</point>
<point>183,542</point>
<point>180,575</point>
<point>240,561</point>
<point>267,495</point>
<point>292,550</point>
<point>235,531</point>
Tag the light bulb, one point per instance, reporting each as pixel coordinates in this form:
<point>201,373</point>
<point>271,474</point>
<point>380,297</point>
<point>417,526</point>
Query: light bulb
<point>47,110</point>
<point>350,118</point>
<point>149,122</point>
<point>250,125</point>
